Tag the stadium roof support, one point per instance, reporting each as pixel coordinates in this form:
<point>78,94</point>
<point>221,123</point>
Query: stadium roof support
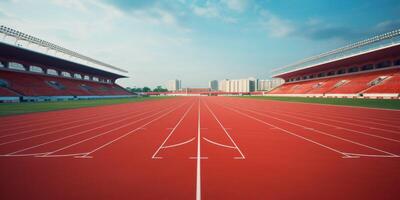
<point>31,39</point>
<point>378,42</point>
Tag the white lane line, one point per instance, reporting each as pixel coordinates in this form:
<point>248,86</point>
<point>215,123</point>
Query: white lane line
<point>130,132</point>
<point>218,144</point>
<point>87,139</point>
<point>288,132</point>
<point>79,133</point>
<point>323,133</point>
<point>172,131</point>
<point>226,132</point>
<point>366,120</point>
<point>195,158</point>
<point>119,114</point>
<point>179,144</point>
<point>369,155</point>
<point>338,127</point>
<point>49,127</point>
<point>349,123</point>
<point>198,169</point>
<point>76,155</point>
<point>22,155</point>
<point>30,127</point>
<point>71,127</point>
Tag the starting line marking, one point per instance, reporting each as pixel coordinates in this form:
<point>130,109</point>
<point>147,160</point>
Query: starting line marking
<point>172,131</point>
<point>195,157</point>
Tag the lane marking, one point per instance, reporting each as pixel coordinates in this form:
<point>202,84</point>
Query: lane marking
<point>322,132</point>
<point>343,122</point>
<point>195,157</point>
<point>226,132</point>
<point>87,139</point>
<point>172,131</point>
<point>198,160</point>
<point>179,144</point>
<point>22,155</point>
<point>288,132</point>
<point>126,115</point>
<point>339,127</point>
<point>371,155</point>
<point>218,144</point>
<point>331,125</point>
<point>130,132</point>
<point>79,133</point>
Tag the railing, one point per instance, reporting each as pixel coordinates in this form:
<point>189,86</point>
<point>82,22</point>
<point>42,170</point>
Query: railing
<point>34,40</point>
<point>381,41</point>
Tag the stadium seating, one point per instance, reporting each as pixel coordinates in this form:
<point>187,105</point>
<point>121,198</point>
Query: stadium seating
<point>383,81</point>
<point>390,85</point>
<point>5,92</point>
<point>30,84</point>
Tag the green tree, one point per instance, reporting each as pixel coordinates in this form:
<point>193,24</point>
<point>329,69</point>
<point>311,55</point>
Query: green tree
<point>146,89</point>
<point>159,89</point>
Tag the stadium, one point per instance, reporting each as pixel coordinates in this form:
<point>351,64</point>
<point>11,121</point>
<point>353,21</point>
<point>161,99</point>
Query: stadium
<point>70,130</point>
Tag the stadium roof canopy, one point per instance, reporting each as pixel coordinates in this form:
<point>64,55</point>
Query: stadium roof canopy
<point>52,55</point>
<point>365,50</point>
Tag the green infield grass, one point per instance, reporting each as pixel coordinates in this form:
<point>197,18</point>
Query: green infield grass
<point>22,108</point>
<point>370,103</point>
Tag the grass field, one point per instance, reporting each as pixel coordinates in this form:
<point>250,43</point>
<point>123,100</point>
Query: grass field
<point>371,103</point>
<point>22,108</point>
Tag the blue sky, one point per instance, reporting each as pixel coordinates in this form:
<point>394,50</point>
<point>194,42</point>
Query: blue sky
<point>196,41</point>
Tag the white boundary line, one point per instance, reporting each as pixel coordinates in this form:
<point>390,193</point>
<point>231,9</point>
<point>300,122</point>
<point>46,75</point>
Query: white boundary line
<point>358,120</point>
<point>226,132</point>
<point>60,130</point>
<point>178,144</point>
<point>79,133</point>
<point>320,104</point>
<point>352,124</point>
<point>126,134</point>
<point>338,127</point>
<point>97,115</point>
<point>47,127</point>
<point>198,160</point>
<point>98,135</point>
<point>171,132</point>
<point>344,154</point>
<point>52,115</point>
<point>324,133</point>
<point>218,144</point>
<point>52,124</point>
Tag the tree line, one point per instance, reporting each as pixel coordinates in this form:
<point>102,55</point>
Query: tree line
<point>147,89</point>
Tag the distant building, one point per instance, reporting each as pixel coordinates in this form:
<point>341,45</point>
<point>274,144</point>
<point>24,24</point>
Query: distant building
<point>267,85</point>
<point>173,85</point>
<point>213,85</point>
<point>238,85</point>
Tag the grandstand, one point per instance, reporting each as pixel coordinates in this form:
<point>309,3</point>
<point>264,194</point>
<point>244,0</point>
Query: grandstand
<point>366,69</point>
<point>32,69</point>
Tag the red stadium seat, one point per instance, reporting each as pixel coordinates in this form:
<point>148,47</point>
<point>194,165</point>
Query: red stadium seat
<point>348,84</point>
<point>29,84</point>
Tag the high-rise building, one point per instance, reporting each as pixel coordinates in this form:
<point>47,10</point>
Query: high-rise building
<point>238,85</point>
<point>173,85</point>
<point>213,85</point>
<point>266,85</point>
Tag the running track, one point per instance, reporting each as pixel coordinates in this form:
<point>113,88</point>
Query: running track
<point>202,148</point>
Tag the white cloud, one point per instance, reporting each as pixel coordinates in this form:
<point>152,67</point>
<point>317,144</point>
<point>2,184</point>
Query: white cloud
<point>236,5</point>
<point>275,26</point>
<point>71,4</point>
<point>209,10</point>
<point>213,10</point>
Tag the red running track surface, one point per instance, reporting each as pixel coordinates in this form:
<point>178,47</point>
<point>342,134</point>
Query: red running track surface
<point>202,148</point>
